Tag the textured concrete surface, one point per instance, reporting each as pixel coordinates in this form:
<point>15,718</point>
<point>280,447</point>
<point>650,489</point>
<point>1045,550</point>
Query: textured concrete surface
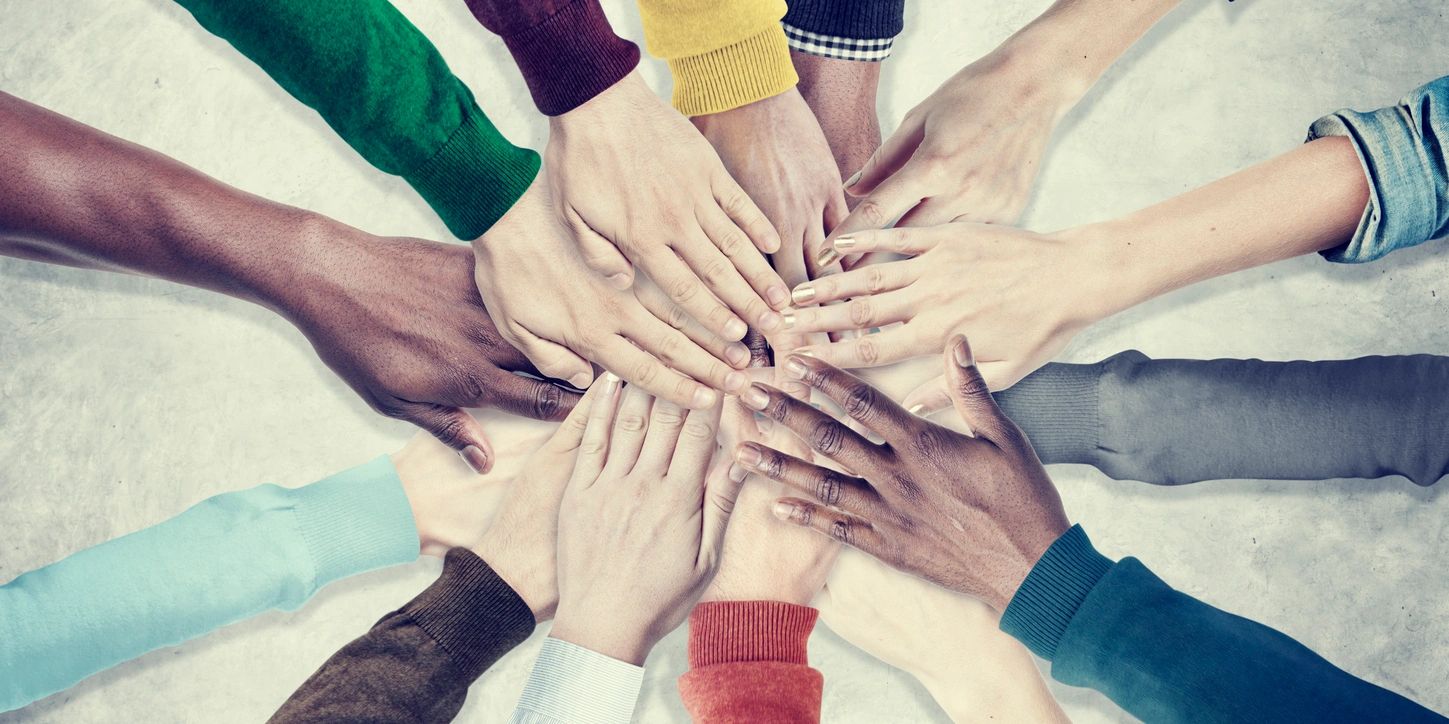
<point>123,400</point>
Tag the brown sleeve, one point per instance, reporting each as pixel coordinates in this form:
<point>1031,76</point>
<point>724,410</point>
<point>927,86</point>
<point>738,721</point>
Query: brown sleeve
<point>417,663</point>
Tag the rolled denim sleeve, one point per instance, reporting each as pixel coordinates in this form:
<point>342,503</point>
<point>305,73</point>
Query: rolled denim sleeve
<point>1401,149</point>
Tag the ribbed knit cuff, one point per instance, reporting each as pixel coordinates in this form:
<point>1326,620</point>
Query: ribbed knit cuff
<point>475,177</point>
<point>356,521</point>
<point>571,57</point>
<point>1049,597</point>
<point>753,69</point>
<point>1057,407</point>
<point>726,632</point>
<point>472,613</point>
<point>861,19</point>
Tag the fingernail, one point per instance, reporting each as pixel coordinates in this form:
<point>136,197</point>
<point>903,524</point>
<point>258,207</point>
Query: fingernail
<point>703,397</point>
<point>738,355</point>
<point>844,244</point>
<point>795,368</point>
<point>738,474</point>
<point>748,456</point>
<point>473,455</point>
<point>789,316</point>
<point>916,409</point>
<point>581,380</point>
<point>735,329</point>
<point>851,181</point>
<point>770,321</point>
<point>827,257</point>
<point>755,398</point>
<point>782,510</point>
<point>803,294</point>
<point>611,384</point>
<point>735,381</point>
<point>778,296</point>
<point>961,350</point>
<point>806,352</point>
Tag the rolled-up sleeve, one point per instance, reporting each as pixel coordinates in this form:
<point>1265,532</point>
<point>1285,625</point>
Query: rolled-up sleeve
<point>1401,149</point>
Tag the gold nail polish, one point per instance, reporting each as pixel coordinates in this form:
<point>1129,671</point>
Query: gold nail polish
<point>789,316</point>
<point>827,258</point>
<point>845,244</point>
<point>803,294</point>
<point>916,409</point>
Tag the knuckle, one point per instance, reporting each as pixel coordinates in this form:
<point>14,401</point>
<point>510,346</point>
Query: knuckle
<point>683,289</point>
<point>449,430</point>
<point>697,431</point>
<point>668,347</point>
<point>828,436</point>
<point>631,423</point>
<point>734,204</point>
<point>644,373</point>
<point>717,271</point>
<point>827,489</point>
<point>860,312</point>
<point>547,402</point>
<point>803,514</point>
<point>841,530</point>
<point>874,279</point>
<point>928,441</point>
<point>905,487</point>
<point>733,243</point>
<point>778,408</point>
<point>860,400</point>
<point>676,317</point>
<point>872,212</point>
<point>867,351</point>
<point>772,464</point>
<point>972,385</point>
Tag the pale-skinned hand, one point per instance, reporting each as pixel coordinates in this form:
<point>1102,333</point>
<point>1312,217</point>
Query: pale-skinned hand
<point>969,513</point>
<point>641,525</point>
<point>636,185</point>
<point>1021,295</point>
<point>560,314</point>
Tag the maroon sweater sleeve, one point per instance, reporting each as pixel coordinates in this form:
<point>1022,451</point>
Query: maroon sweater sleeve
<point>566,49</point>
<point>747,663</point>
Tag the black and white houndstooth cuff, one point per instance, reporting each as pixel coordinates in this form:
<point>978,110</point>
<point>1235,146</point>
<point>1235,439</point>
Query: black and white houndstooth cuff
<point>871,50</point>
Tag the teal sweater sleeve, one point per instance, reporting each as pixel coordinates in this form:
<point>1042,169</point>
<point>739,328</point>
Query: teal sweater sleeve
<point>1164,656</point>
<point>378,81</point>
<point>225,559</point>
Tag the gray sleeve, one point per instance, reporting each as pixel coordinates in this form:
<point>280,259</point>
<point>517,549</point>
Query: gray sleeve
<point>1173,421</point>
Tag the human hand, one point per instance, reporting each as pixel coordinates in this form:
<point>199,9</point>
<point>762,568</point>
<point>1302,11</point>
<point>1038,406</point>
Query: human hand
<point>952,643</point>
<point>401,322</point>
<point>970,513</point>
<point>641,524</point>
<point>1021,295</point>
<point>842,95</point>
<point>634,183</point>
<point>562,315</point>
<point>763,560</point>
<point>521,541</point>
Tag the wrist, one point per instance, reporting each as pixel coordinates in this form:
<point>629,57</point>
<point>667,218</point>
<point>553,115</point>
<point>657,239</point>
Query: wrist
<point>601,630</point>
<point>1074,42</point>
<point>531,578</point>
<point>308,280</point>
<point>1108,276</point>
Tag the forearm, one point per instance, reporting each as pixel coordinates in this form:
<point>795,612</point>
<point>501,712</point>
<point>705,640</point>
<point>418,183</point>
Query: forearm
<point>975,672</point>
<point>1306,200</point>
<point>842,94</point>
<point>1181,421</point>
<point>748,661</point>
<point>1075,41</point>
<point>223,560</point>
<point>383,87</point>
<point>74,195</point>
<point>1164,656</point>
<point>417,663</point>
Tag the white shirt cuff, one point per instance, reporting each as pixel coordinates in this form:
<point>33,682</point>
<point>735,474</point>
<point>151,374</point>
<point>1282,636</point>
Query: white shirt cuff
<point>571,684</point>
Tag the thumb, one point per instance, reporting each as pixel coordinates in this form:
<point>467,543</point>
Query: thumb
<point>892,155</point>
<point>553,359</point>
<point>968,390</point>
<point>601,254</point>
<point>455,428</point>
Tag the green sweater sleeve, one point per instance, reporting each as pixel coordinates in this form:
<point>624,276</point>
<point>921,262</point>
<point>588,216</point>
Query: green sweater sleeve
<point>382,86</point>
<point>1165,656</point>
<point>227,558</point>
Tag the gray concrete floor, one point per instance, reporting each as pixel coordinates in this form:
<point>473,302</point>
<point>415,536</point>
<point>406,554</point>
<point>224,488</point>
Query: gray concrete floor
<point>123,400</point>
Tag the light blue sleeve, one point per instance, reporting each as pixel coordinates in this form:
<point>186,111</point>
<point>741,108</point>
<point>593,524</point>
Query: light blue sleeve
<point>225,559</point>
<point>1402,151</point>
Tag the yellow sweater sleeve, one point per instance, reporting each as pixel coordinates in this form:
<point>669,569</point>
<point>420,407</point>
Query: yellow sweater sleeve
<point>722,53</point>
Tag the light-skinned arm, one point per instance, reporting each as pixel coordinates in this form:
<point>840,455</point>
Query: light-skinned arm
<point>977,514</point>
<point>972,150</point>
<point>398,319</point>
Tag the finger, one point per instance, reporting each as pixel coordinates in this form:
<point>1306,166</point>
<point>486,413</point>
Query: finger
<point>631,424</point>
<point>871,350</point>
<point>666,419</point>
<point>681,353</point>
<point>751,264</point>
<point>453,427</point>
<point>863,312</point>
<point>862,402</point>
<point>935,211</point>
<point>721,490</point>
<point>746,215</point>
<point>841,527</point>
<point>876,211</point>
<point>646,371</point>
<point>594,446</point>
<point>892,156</point>
<point>727,283</point>
<point>695,445</point>
<point>820,431</point>
<point>570,435</point>
<point>599,253</point>
<point>551,358</point>
<point>653,299</point>
<point>907,241</point>
<point>969,393</point>
<point>759,349</point>
<point>845,492</point>
<point>860,281</point>
<point>527,397</point>
<point>928,398</point>
<point>836,209</point>
<point>681,284</point>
